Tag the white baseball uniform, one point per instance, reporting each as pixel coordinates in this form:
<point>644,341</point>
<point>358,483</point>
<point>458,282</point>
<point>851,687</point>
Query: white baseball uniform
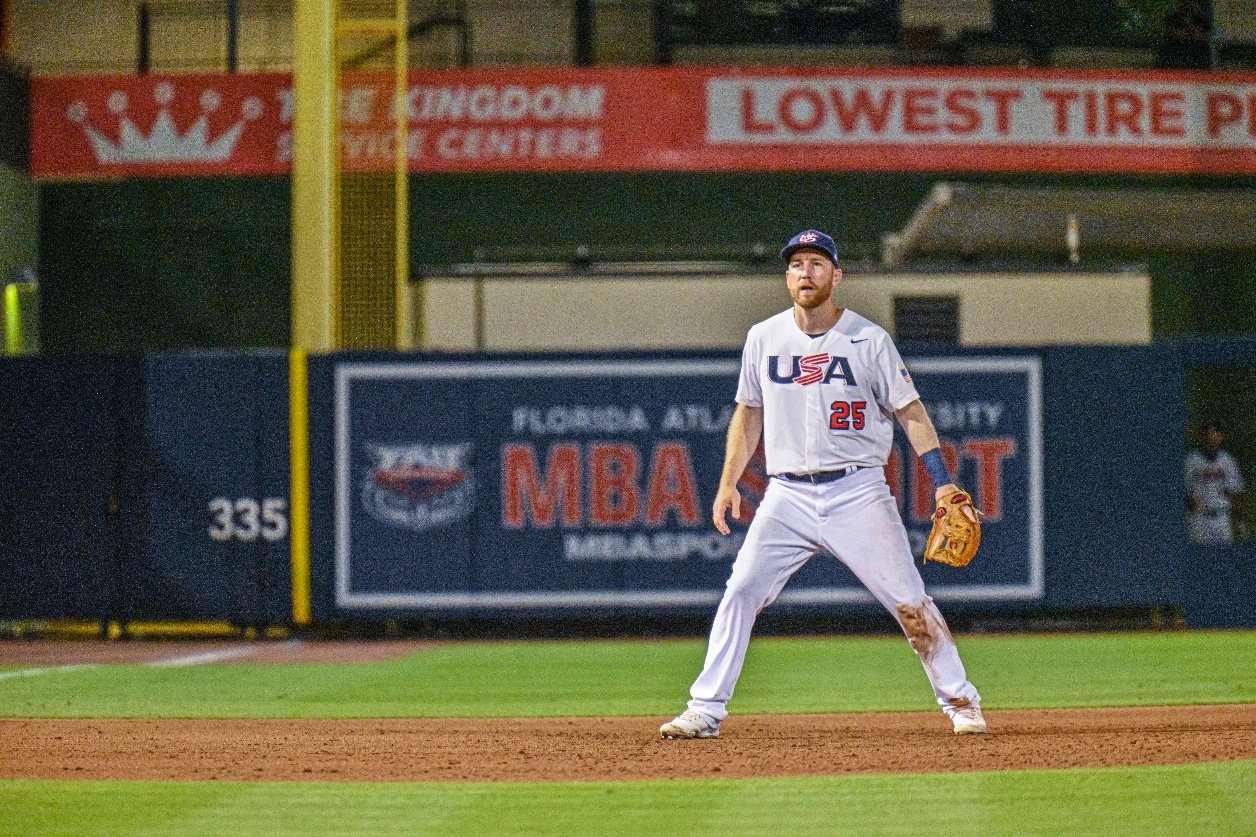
<point>1212,481</point>
<point>828,405</point>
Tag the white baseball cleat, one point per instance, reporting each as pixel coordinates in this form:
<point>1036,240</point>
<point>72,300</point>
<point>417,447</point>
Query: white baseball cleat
<point>968,721</point>
<point>690,724</point>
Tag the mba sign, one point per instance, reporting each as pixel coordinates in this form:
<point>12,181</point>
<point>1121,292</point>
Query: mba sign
<point>589,483</point>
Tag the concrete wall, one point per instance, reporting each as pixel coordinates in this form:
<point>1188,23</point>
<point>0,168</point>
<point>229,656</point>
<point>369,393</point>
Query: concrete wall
<point>58,37</point>
<point>65,37</point>
<point>713,311</point>
<point>951,16</point>
<point>1234,20</point>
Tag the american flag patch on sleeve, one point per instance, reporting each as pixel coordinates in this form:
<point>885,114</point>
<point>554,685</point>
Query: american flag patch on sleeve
<point>906,375</point>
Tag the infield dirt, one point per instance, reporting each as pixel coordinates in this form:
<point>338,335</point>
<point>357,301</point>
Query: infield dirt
<point>581,749</point>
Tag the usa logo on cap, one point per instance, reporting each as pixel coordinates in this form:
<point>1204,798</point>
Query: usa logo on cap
<point>812,240</point>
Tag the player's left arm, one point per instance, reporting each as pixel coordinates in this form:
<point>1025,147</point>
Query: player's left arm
<point>1234,489</point>
<point>1233,476</point>
<point>924,441</point>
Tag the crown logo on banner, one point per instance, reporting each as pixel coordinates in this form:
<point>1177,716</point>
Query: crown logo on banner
<point>163,143</point>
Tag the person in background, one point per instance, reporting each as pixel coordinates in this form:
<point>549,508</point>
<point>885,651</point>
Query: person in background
<point>1214,491</point>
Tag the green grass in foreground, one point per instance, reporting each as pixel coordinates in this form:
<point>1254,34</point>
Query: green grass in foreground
<point>1213,799</point>
<point>651,678</point>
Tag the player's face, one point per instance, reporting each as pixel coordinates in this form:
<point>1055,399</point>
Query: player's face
<point>811,278</point>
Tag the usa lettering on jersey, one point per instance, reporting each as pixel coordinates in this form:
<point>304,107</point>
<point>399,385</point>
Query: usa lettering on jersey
<point>809,369</point>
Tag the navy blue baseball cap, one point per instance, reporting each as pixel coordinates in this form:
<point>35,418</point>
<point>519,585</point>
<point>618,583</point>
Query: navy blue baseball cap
<point>811,240</point>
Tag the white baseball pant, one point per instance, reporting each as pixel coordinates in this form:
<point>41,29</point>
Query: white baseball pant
<point>1211,529</point>
<point>855,519</point>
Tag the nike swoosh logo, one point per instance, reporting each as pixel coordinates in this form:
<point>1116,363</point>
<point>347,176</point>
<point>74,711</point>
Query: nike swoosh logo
<point>865,340</point>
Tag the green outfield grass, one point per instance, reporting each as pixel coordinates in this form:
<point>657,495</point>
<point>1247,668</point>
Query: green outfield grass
<point>599,678</point>
<point>644,678</point>
<point>1211,799</point>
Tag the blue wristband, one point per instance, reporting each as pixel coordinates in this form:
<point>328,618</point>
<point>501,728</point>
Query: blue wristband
<point>936,466</point>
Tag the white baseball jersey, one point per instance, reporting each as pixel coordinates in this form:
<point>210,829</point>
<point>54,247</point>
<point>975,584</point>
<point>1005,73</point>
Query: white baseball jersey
<point>828,401</point>
<point>1212,481</point>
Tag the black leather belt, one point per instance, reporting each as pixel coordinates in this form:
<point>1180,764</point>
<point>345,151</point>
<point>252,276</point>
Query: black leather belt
<point>819,476</point>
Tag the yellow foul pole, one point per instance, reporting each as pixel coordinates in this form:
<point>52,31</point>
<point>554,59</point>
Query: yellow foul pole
<point>315,178</point>
<point>401,66</point>
<point>315,255</point>
<point>299,493</point>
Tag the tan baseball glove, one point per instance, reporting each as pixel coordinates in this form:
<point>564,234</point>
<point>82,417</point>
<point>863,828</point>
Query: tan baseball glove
<point>956,531</point>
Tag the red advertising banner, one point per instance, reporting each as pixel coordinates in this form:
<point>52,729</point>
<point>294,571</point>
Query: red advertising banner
<point>662,119</point>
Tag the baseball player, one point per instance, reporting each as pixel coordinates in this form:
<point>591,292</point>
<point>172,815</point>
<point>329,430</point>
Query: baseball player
<point>822,386</point>
<point>1214,488</point>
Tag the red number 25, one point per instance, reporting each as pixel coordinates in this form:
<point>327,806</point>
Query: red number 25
<point>847,415</point>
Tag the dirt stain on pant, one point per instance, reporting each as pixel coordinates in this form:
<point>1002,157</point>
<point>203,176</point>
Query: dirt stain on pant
<point>924,628</point>
<point>916,626</point>
<point>928,635</point>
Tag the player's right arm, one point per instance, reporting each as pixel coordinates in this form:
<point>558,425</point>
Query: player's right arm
<point>1192,485</point>
<point>744,430</point>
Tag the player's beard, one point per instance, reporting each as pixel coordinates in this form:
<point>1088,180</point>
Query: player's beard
<point>823,293</point>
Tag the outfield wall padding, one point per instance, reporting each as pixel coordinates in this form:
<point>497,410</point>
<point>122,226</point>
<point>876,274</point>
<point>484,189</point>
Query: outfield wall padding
<point>110,467</point>
<point>216,489</point>
<point>70,452</point>
<point>442,486</point>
